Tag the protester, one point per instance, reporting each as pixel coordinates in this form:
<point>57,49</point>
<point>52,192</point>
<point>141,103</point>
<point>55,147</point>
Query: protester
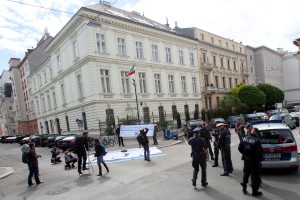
<point>69,159</point>
<point>55,158</point>
<point>81,146</point>
<point>99,153</point>
<point>199,155</point>
<point>120,139</point>
<point>33,165</point>
<point>251,148</point>
<point>155,134</point>
<point>143,140</point>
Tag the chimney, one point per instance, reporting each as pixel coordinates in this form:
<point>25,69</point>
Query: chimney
<point>167,24</point>
<point>176,24</point>
<point>14,62</point>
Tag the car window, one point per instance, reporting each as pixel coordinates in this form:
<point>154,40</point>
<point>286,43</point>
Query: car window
<point>195,123</point>
<point>275,117</point>
<point>276,136</point>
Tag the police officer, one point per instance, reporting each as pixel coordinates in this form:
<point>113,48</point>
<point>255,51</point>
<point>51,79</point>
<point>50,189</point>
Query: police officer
<point>199,155</point>
<point>249,128</point>
<point>224,145</point>
<point>251,148</point>
<point>205,134</point>
<point>215,134</point>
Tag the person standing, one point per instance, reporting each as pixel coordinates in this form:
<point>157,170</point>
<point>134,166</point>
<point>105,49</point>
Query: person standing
<point>249,128</point>
<point>200,156</point>
<point>215,134</point>
<point>224,145</point>
<point>120,139</point>
<point>250,147</point>
<point>155,134</point>
<point>33,165</point>
<point>239,128</point>
<point>144,141</point>
<point>99,153</point>
<point>81,146</point>
<point>205,134</point>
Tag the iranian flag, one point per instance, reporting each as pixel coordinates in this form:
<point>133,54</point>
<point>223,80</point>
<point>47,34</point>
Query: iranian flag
<point>131,71</point>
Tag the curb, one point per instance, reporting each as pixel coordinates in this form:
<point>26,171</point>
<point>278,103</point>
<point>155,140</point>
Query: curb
<point>5,171</point>
<point>177,142</point>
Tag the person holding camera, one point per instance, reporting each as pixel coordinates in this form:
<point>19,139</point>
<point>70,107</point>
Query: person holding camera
<point>33,165</point>
<point>144,141</point>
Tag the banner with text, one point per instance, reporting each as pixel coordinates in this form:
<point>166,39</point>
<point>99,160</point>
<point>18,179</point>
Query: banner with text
<point>134,130</point>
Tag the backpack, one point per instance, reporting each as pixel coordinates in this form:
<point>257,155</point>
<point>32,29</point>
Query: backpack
<point>25,157</point>
<point>140,139</point>
<point>102,150</point>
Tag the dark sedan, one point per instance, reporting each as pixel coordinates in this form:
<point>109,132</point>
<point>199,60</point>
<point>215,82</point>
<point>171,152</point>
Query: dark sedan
<point>50,140</point>
<point>25,140</point>
<point>213,122</point>
<point>67,143</point>
<point>191,125</point>
<point>36,139</point>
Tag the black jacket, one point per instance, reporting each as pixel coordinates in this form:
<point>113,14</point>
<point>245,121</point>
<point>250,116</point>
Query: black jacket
<point>81,144</point>
<point>250,146</point>
<point>32,158</point>
<point>224,139</point>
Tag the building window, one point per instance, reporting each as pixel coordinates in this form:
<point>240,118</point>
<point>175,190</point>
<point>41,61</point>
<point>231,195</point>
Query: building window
<point>43,105</point>
<point>250,57</point>
<point>236,81</point>
<point>139,49</point>
<point>201,36</point>
<point>171,83</point>
<point>54,100</point>
<point>168,55</point>
<point>226,45</point>
<point>212,40</point>
<point>105,80</point>
<point>206,80</point>
<point>230,82</point>
<point>125,82</point>
<point>75,49</point>
<point>154,52</point>
<point>63,96</point>
<point>101,44</point>
<point>241,49</point>
<point>220,42</point>
<point>252,70</point>
<point>79,86</point>
<point>204,57</point>
<point>174,111</point>
<point>217,81</point>
<point>181,58</point>
<point>243,67</point>
<point>38,106</point>
<point>50,72</point>
<point>233,47</point>
<point>142,81</point>
<point>194,84</point>
<point>218,101</point>
<point>228,63</point>
<point>45,78</point>
<point>221,61</point>
<point>234,65</point>
<point>49,103</point>
<point>121,46</point>
<point>183,84</point>
<point>224,82</point>
<point>84,121</point>
<point>214,61</point>
<point>110,117</point>
<point>67,123</point>
<point>40,80</point>
<point>157,83</point>
<point>192,60</point>
<point>34,84</point>
<point>58,62</point>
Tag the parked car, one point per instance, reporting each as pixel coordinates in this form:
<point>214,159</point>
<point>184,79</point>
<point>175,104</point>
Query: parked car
<point>213,122</point>
<point>191,125</point>
<point>25,140</point>
<point>44,140</point>
<point>285,119</point>
<point>36,139</point>
<point>282,111</point>
<point>251,117</point>
<point>3,139</point>
<point>295,116</point>
<point>233,119</point>
<point>67,143</point>
<point>57,139</point>
<point>50,140</point>
<point>11,139</point>
<point>271,112</point>
<point>279,146</point>
<point>262,115</point>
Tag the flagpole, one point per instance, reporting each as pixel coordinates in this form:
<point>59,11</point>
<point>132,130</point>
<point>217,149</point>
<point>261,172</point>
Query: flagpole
<point>136,100</point>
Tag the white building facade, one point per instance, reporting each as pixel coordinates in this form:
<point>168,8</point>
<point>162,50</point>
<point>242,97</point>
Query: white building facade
<point>86,74</point>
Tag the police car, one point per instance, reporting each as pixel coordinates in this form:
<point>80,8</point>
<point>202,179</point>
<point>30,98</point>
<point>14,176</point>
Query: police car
<point>279,146</point>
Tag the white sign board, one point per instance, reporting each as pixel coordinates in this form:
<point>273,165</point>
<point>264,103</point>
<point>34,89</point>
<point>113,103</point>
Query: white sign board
<point>134,130</point>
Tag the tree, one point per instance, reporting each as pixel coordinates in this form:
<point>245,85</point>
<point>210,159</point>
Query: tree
<point>233,104</point>
<point>252,96</point>
<point>187,115</point>
<point>234,91</point>
<point>270,93</point>
<point>178,120</point>
<point>280,95</point>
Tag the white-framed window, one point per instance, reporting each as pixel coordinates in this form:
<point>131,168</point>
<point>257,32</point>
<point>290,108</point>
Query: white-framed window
<point>250,57</point>
<point>54,99</point>
<point>194,85</point>
<point>45,77</point>
<point>121,46</point>
<point>181,58</point>
<point>157,83</point>
<point>63,95</point>
<point>43,105</point>
<point>228,63</point>
<point>125,82</point>
<point>75,49</point>
<point>183,84</point>
<point>37,106</point>
<point>40,80</point>
<point>252,70</point>
<point>105,80</point>
<point>139,49</point>
<point>230,82</point>
<point>168,55</point>
<point>192,59</point>
<point>142,82</point>
<point>49,103</point>
<point>50,72</point>
<point>154,52</point>
<point>34,84</point>
<point>171,83</point>
<point>58,62</point>
<point>79,85</point>
<point>101,43</point>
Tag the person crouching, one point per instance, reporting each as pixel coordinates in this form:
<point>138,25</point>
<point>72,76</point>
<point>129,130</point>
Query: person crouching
<point>55,158</point>
<point>69,159</point>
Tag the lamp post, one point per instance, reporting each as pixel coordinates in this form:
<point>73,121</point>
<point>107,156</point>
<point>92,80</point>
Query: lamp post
<point>136,100</point>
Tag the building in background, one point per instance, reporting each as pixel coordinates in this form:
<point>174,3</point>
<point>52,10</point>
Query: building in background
<point>265,66</point>
<point>222,65</point>
<point>85,78</point>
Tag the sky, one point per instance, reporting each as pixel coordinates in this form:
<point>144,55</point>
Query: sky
<point>273,23</point>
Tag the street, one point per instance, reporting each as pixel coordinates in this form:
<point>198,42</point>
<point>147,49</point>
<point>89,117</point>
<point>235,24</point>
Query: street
<point>165,177</point>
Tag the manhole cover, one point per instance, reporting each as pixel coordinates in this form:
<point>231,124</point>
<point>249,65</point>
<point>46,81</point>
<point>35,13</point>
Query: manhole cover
<point>59,190</point>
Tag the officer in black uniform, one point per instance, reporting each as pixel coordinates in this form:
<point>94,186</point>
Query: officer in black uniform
<point>199,155</point>
<point>205,134</point>
<point>215,134</point>
<point>224,145</point>
<point>251,148</point>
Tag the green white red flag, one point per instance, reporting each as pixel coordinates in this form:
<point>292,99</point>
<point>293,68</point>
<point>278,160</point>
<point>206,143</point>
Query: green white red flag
<point>131,71</point>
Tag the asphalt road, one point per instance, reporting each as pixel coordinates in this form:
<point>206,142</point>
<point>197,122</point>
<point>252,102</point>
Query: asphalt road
<point>165,177</point>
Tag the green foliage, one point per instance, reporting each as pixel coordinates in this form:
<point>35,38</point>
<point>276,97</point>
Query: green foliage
<point>109,131</point>
<point>234,91</point>
<point>270,93</point>
<point>196,114</point>
<point>233,105</point>
<point>187,116</point>
<point>203,115</point>
<point>252,96</point>
<point>163,124</point>
<point>178,118</point>
<point>280,95</point>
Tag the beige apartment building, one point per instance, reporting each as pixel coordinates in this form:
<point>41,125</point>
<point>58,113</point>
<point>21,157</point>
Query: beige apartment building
<point>222,65</point>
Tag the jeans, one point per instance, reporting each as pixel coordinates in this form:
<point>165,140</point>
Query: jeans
<point>81,160</point>
<point>146,151</point>
<point>33,171</point>
<point>198,159</point>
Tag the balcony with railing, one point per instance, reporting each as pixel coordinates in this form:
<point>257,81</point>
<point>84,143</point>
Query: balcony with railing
<point>207,65</point>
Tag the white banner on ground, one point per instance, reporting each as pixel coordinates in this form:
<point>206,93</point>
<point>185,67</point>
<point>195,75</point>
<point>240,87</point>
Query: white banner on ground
<point>134,130</point>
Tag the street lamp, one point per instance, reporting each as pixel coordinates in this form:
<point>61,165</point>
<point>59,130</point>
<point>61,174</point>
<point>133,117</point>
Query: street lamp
<point>136,100</point>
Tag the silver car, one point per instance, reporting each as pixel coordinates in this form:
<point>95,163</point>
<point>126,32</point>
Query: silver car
<point>279,146</point>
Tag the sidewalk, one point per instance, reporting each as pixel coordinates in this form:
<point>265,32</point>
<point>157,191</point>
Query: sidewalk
<point>5,171</point>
